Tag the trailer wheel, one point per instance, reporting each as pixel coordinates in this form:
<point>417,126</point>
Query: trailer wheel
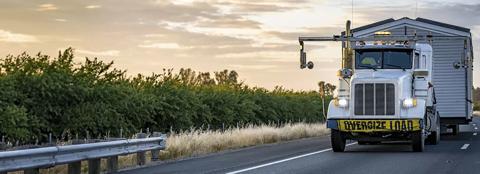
<point>434,137</point>
<point>418,141</point>
<point>338,141</point>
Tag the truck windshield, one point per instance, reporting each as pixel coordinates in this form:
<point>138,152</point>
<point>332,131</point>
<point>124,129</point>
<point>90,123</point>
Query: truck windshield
<point>383,59</point>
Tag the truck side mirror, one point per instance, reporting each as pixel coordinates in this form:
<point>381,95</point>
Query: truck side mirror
<point>303,59</point>
<point>310,64</point>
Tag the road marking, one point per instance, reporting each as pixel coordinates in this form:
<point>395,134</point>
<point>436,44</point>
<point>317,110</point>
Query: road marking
<point>475,134</point>
<point>476,128</point>
<point>465,146</point>
<point>284,160</point>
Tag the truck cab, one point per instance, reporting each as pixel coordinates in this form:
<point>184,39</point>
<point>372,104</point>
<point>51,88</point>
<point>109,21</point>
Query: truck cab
<point>389,97</point>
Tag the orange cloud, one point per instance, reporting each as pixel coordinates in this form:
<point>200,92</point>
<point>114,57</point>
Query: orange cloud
<point>7,36</point>
<point>47,7</point>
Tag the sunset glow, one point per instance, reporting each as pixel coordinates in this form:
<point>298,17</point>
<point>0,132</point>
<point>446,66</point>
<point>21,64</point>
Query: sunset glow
<point>256,38</point>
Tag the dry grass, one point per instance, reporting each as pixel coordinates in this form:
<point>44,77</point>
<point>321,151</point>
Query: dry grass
<point>196,142</point>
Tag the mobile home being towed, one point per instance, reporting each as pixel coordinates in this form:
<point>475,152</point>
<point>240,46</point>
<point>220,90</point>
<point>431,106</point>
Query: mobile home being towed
<point>400,80</point>
<point>452,63</point>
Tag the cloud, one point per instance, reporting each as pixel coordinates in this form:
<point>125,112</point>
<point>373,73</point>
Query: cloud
<point>253,67</point>
<point>229,22</point>
<point>194,39</point>
<point>221,13</point>
<point>242,6</point>
<point>465,15</point>
<point>262,56</point>
<point>475,30</point>
<point>182,13</point>
<point>47,7</point>
<point>61,20</point>
<point>7,36</point>
<point>181,2</point>
<point>92,6</point>
<point>313,31</point>
<point>163,46</point>
<point>99,53</point>
<point>155,35</point>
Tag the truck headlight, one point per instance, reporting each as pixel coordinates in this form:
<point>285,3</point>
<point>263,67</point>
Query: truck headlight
<point>409,102</point>
<point>341,103</point>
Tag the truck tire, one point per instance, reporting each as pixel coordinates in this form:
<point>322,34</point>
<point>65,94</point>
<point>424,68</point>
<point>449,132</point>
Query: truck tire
<point>338,141</point>
<point>434,137</point>
<point>418,141</point>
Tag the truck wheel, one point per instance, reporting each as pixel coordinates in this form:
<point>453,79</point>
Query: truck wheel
<point>434,137</point>
<point>338,141</point>
<point>418,141</point>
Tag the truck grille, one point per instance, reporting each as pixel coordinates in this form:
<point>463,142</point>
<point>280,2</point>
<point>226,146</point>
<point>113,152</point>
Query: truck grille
<point>374,99</point>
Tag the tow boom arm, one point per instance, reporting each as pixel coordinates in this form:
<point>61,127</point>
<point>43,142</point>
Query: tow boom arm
<point>353,40</point>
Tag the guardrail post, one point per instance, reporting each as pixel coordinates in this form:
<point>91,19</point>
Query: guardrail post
<point>31,171</point>
<point>141,160</point>
<point>94,166</point>
<point>75,167</point>
<point>112,164</point>
<point>156,152</point>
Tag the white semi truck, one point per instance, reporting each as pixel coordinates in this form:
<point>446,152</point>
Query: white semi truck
<point>388,89</point>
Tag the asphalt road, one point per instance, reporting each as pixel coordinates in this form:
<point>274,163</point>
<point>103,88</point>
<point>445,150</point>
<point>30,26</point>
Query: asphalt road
<point>455,154</point>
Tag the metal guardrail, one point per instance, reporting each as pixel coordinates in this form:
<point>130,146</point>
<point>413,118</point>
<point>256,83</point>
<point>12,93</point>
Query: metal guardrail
<point>31,160</point>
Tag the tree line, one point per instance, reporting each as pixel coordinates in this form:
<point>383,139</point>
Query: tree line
<point>41,95</point>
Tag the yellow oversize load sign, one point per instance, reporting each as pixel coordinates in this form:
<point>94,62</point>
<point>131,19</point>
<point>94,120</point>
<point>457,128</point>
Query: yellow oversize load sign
<point>378,125</point>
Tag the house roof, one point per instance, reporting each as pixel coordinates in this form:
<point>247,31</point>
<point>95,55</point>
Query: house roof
<point>373,25</point>
<point>428,21</point>
<point>443,24</point>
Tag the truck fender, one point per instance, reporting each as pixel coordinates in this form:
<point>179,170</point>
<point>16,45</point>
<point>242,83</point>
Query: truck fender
<point>417,111</point>
<point>337,112</point>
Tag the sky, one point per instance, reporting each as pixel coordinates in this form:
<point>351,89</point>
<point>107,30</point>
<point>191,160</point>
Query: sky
<point>258,39</point>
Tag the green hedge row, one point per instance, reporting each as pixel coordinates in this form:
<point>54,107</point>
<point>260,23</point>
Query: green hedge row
<point>41,95</point>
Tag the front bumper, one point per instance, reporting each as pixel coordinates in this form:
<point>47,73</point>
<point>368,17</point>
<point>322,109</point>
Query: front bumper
<point>375,125</point>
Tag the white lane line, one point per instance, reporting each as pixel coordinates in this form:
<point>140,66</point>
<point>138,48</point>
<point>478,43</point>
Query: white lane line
<point>476,128</point>
<point>284,160</point>
<point>465,146</point>
<point>475,134</point>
